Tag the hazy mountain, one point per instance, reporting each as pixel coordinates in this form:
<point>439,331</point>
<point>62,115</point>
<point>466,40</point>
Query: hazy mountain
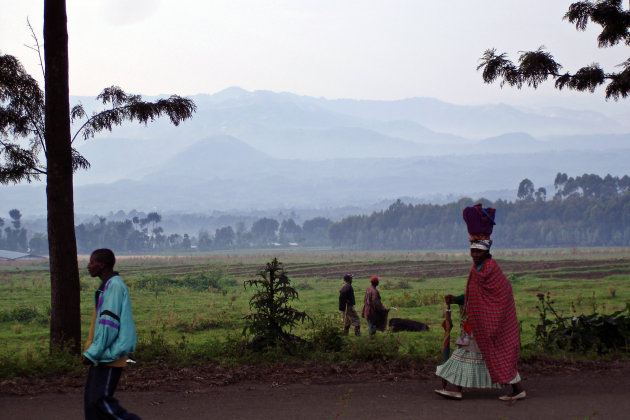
<point>476,121</point>
<point>218,156</point>
<point>289,125</point>
<point>263,150</point>
<point>271,183</point>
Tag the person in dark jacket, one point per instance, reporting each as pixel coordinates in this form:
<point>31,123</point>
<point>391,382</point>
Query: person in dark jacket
<point>346,305</point>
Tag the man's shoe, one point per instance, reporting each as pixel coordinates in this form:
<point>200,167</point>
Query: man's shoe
<point>453,395</point>
<point>521,395</point>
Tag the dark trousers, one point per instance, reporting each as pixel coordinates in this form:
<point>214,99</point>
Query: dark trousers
<point>99,401</point>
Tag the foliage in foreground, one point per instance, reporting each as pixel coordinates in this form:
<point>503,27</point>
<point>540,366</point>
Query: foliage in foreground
<point>184,320</point>
<point>39,361</point>
<point>272,316</point>
<point>583,333</point>
<point>534,67</point>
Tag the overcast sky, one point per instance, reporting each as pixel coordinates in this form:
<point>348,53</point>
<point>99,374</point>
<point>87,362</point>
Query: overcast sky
<point>362,49</point>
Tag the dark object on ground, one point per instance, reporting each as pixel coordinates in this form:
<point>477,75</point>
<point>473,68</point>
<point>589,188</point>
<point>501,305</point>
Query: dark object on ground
<point>401,324</point>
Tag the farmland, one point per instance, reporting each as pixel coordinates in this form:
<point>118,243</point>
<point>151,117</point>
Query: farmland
<point>197,303</point>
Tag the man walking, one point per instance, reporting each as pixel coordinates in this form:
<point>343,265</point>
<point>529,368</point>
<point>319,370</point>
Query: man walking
<point>111,338</point>
<point>346,304</point>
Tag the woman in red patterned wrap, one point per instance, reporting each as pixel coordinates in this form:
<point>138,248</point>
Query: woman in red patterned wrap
<point>488,346</point>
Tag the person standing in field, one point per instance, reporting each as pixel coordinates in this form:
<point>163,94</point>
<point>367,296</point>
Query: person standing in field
<point>373,309</point>
<point>488,345</point>
<point>111,339</point>
<point>346,304</point>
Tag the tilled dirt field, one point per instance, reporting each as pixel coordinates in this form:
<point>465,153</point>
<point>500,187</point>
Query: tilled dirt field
<point>575,268</point>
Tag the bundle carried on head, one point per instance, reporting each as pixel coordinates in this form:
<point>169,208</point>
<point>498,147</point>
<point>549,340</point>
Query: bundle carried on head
<point>479,222</point>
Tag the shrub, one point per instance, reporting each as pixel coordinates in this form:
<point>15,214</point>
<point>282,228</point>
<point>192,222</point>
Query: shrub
<point>304,286</point>
<point>382,347</point>
<point>402,284</point>
<point>203,281</point>
<point>326,335</point>
<point>207,281</point>
<point>417,299</point>
<point>271,313</point>
<point>199,323</point>
<point>38,361</point>
<point>406,300</point>
<point>23,314</point>
<point>583,333</point>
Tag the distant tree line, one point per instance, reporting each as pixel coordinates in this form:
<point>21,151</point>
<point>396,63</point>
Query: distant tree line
<point>267,232</point>
<point>143,234</point>
<point>585,211</point>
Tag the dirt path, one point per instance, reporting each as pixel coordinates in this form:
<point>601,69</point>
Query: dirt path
<point>592,394</point>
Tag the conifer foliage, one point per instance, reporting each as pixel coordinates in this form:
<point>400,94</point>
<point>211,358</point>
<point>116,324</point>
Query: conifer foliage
<point>35,140</point>
<point>535,67</point>
<point>22,120</point>
<point>272,316</point>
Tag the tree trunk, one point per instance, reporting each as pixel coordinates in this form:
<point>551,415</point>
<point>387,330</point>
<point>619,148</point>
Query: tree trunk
<point>65,317</point>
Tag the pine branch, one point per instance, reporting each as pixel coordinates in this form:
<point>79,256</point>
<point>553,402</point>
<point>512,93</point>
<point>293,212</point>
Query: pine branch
<point>19,165</point>
<point>537,66</point>
<point>132,108</point>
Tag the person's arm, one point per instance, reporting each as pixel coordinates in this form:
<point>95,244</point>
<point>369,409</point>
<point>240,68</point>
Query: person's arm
<point>344,297</point>
<point>107,322</point>
<point>379,303</point>
<point>457,300</point>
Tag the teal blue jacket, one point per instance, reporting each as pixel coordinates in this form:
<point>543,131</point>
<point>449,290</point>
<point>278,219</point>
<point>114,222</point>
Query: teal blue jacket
<point>114,335</point>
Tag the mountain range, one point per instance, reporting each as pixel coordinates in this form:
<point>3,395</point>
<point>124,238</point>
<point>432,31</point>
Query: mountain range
<point>263,150</point>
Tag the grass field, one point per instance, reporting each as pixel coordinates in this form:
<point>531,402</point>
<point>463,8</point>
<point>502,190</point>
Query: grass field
<point>192,301</point>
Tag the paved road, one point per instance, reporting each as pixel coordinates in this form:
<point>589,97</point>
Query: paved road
<point>581,396</point>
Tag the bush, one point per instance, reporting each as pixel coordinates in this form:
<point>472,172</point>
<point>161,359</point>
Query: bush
<point>24,314</point>
<point>326,336</point>
<point>272,313</point>
<point>39,361</point>
<point>212,280</point>
<point>406,300</point>
<point>583,333</point>
<point>303,286</point>
<point>199,323</point>
<point>413,300</point>
<point>203,281</point>
<point>381,347</point>
<point>402,284</point>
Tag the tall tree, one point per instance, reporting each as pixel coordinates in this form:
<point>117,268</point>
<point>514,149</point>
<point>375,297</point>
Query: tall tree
<point>65,316</point>
<point>525,190</point>
<point>264,230</point>
<point>534,67</point>
<point>16,235</point>
<point>224,237</point>
<point>289,231</point>
<point>24,112</point>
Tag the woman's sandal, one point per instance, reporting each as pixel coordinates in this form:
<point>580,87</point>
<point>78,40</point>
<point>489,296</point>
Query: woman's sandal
<point>521,395</point>
<point>453,395</point>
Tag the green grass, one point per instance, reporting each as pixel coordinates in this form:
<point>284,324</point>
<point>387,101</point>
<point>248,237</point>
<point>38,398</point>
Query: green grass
<point>192,306</point>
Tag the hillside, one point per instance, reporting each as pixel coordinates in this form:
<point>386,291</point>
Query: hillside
<point>260,150</point>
